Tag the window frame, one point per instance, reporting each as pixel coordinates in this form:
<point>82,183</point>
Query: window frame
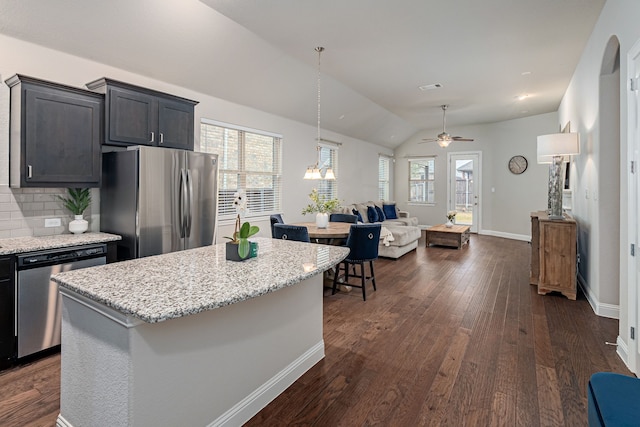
<point>426,181</point>
<point>384,183</point>
<point>255,197</point>
<point>328,187</point>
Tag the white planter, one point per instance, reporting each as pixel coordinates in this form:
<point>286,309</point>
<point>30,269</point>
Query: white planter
<point>322,220</point>
<point>448,224</point>
<point>78,225</point>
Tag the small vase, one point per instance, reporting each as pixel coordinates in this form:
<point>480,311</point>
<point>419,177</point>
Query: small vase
<point>79,225</point>
<point>448,224</point>
<point>322,220</point>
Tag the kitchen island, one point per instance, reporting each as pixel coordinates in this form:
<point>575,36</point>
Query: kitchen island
<point>189,338</point>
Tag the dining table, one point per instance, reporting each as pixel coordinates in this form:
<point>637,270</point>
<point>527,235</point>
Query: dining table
<point>333,231</point>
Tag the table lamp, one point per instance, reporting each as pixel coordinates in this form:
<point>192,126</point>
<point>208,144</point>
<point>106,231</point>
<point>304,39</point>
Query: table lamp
<point>556,149</point>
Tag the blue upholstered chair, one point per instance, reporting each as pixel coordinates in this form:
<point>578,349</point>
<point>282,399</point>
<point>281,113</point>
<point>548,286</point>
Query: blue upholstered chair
<point>363,243</point>
<point>339,217</point>
<point>275,219</point>
<point>613,400</point>
<point>291,232</point>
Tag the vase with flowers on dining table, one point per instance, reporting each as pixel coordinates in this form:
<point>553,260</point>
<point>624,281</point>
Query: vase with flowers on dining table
<point>321,205</point>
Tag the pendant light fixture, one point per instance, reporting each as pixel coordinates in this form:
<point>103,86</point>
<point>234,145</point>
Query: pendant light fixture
<point>314,172</point>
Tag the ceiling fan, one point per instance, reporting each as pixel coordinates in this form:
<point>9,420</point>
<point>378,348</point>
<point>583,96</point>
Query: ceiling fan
<point>444,139</point>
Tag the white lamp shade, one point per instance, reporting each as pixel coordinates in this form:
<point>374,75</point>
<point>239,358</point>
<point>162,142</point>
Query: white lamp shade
<point>558,144</point>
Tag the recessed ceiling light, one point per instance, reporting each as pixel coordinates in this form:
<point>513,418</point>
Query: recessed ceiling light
<point>526,73</point>
<point>341,117</point>
<point>430,87</point>
<point>522,97</point>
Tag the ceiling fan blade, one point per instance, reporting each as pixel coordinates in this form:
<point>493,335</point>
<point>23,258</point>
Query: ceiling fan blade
<point>458,138</point>
<point>429,139</point>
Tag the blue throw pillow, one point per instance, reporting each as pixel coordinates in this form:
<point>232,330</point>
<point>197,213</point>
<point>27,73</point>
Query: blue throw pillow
<point>390,211</point>
<point>372,214</point>
<point>380,214</point>
<point>357,213</point>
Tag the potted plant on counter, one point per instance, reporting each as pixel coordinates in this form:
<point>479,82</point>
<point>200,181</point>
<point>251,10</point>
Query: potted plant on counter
<point>78,201</point>
<point>321,206</point>
<point>239,248</point>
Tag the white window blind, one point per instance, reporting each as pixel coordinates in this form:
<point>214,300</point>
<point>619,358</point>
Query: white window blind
<point>248,159</point>
<point>328,158</point>
<point>384,167</point>
<point>422,180</point>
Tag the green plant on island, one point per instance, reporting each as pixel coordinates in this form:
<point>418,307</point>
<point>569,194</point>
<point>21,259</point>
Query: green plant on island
<point>78,201</point>
<point>320,203</point>
<point>241,233</point>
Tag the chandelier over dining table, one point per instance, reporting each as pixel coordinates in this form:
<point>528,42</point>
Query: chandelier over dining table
<point>315,171</point>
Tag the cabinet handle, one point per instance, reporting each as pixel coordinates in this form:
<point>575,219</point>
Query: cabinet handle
<point>153,136</point>
<point>161,138</point>
<point>29,171</point>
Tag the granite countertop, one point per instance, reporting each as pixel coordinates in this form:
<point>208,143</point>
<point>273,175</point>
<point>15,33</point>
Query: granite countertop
<point>15,245</point>
<point>178,284</point>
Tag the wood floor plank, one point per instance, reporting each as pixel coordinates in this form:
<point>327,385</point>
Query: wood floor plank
<point>450,338</point>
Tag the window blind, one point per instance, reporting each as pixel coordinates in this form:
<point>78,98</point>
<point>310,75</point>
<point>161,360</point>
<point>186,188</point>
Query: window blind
<point>422,180</point>
<point>384,166</point>
<point>328,158</point>
<point>249,160</point>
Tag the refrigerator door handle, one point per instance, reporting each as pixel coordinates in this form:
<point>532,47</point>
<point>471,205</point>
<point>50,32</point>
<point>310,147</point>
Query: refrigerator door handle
<point>183,204</point>
<point>189,202</point>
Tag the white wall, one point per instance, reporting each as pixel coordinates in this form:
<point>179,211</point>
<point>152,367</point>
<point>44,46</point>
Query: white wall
<point>358,160</point>
<point>505,212</point>
<point>594,172</point>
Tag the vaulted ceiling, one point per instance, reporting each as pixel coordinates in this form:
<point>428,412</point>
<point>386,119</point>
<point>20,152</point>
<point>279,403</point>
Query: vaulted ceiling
<point>485,54</point>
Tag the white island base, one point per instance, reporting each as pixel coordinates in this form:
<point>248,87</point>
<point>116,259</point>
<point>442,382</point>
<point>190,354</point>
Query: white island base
<point>217,367</point>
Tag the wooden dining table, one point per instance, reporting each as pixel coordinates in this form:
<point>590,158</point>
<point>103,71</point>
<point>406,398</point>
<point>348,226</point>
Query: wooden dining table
<point>334,230</point>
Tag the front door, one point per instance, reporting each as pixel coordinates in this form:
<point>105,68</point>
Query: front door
<point>464,188</point>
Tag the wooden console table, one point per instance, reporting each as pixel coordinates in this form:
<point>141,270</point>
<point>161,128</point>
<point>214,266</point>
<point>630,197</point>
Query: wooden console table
<point>553,254</point>
<point>455,236</point>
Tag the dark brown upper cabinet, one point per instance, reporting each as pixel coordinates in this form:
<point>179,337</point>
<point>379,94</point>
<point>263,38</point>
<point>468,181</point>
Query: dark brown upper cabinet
<point>140,116</point>
<point>55,134</point>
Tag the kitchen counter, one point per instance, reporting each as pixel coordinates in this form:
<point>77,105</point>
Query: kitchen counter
<point>15,245</point>
<point>182,283</point>
<point>188,338</point>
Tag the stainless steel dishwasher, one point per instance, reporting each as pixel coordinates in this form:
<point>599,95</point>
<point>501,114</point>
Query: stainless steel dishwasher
<point>38,304</point>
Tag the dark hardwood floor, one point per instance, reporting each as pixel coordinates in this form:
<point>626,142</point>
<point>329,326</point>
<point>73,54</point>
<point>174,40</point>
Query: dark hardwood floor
<point>451,338</point>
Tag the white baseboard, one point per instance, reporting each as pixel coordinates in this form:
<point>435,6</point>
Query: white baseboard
<point>512,236</point>
<point>61,422</point>
<point>611,311</point>
<point>263,395</point>
<point>623,351</point>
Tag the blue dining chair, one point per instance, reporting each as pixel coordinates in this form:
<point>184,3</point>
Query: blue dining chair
<point>275,219</point>
<point>363,243</point>
<point>339,217</point>
<point>291,232</point>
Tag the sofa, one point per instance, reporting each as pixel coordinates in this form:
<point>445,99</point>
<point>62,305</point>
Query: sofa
<point>403,228</point>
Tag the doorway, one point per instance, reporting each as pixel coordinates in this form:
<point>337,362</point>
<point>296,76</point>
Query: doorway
<point>463,188</point>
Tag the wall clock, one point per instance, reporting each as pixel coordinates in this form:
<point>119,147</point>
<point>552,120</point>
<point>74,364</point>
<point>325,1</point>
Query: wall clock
<point>518,164</point>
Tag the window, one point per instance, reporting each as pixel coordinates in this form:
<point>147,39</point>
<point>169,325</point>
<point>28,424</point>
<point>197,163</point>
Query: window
<point>247,159</point>
<point>384,167</point>
<point>422,180</point>
<point>328,158</point>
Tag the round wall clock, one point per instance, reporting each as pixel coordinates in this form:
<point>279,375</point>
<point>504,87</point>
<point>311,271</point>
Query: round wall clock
<point>518,164</point>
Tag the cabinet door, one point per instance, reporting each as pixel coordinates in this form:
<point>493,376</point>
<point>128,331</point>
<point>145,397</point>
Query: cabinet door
<point>7,328</point>
<point>175,121</point>
<point>61,139</point>
<point>132,119</point>
<point>557,256</point>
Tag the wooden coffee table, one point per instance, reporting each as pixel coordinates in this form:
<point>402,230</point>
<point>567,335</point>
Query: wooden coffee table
<point>455,236</point>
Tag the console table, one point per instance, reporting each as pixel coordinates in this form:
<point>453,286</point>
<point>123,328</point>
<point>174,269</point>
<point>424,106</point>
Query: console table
<point>553,254</point>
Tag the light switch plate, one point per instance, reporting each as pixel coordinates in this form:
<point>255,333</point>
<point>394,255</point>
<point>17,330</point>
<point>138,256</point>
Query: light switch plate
<point>52,222</point>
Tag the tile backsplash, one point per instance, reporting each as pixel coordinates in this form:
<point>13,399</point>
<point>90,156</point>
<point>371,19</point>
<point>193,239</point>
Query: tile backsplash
<point>23,211</point>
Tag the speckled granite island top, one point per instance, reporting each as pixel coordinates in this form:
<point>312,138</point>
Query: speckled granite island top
<point>178,284</point>
<point>15,245</point>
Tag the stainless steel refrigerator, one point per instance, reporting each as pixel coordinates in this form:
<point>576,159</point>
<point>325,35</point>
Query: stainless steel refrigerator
<point>159,200</point>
